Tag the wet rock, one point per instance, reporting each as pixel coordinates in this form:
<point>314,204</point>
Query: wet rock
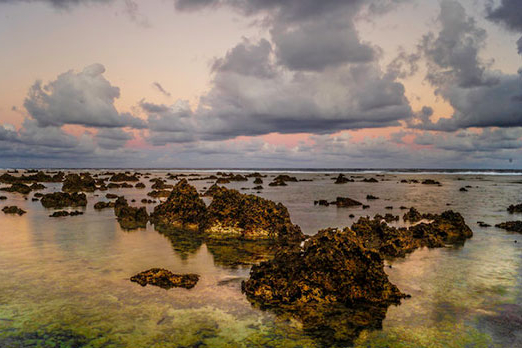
<point>285,178</point>
<point>160,185</point>
<point>3,198</point>
<point>258,181</point>
<point>140,185</point>
<point>259,187</point>
<point>122,177</point>
<point>333,285</point>
<point>18,188</point>
<point>79,183</point>
<point>165,279</point>
<point>515,208</point>
<point>511,226</point>
<point>463,189</point>
<point>183,208</point>
<point>365,206</point>
<point>111,196</point>
<point>278,183</point>
<point>159,193</point>
<point>222,181</point>
<point>389,207</point>
<point>103,205</point>
<point>237,215</point>
<point>212,190</point>
<point>370,197</point>
<point>483,224</point>
<point>13,210</point>
<point>130,217</point>
<point>63,199</point>
<point>323,202</point>
<point>63,213</point>
<point>346,202</point>
<point>342,179</point>
<point>36,186</point>
<point>147,201</point>
<point>412,216</point>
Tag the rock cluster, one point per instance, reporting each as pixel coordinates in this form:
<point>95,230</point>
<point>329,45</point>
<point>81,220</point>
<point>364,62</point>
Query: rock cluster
<point>83,182</point>
<point>13,210</point>
<point>511,226</point>
<point>63,199</point>
<point>18,188</point>
<point>63,213</point>
<point>517,208</point>
<point>165,279</point>
<point>130,217</point>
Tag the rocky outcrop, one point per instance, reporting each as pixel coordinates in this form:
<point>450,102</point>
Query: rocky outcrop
<point>334,285</point>
<point>371,180</point>
<point>13,210</point>
<point>412,216</point>
<point>63,213</point>
<point>121,177</point>
<point>18,188</point>
<point>511,226</point>
<point>258,181</point>
<point>515,208</point>
<point>431,182</point>
<point>103,205</point>
<point>346,202</point>
<point>165,279</point>
<point>183,208</point>
<point>140,185</point>
<point>342,179</point>
<point>212,190</point>
<point>83,182</point>
<point>233,214</point>
<point>158,193</point>
<point>63,199</point>
<point>130,217</point>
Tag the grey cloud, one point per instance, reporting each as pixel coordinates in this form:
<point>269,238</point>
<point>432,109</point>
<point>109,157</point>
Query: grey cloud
<point>112,138</point>
<point>509,14</point>
<point>61,4</point>
<point>160,88</point>
<point>85,98</point>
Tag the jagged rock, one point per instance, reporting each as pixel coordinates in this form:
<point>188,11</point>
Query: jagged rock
<point>113,185</point>
<point>369,197</point>
<point>212,190</point>
<point>515,208</point>
<point>36,186</point>
<point>165,279</point>
<point>346,202</point>
<point>233,214</point>
<point>183,208</point>
<point>160,185</point>
<point>511,226</point>
<point>323,202</point>
<point>79,183</point>
<point>140,185</point>
<point>13,210</point>
<point>412,215</point>
<point>103,205</point>
<point>121,177</point>
<point>111,196</point>
<point>63,199</point>
<point>130,217</point>
<point>38,177</point>
<point>278,183</point>
<point>334,285</point>
<point>341,179</point>
<point>259,187</point>
<point>222,181</point>
<point>258,181</point>
<point>63,213</point>
<point>18,188</point>
<point>158,194</point>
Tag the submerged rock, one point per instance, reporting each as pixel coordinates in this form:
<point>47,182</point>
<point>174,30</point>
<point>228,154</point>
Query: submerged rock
<point>130,217</point>
<point>121,177</point>
<point>511,226</point>
<point>165,279</point>
<point>334,285</point>
<point>63,199</point>
<point>63,213</point>
<point>183,208</point>
<point>103,205</point>
<point>13,210</point>
<point>346,202</point>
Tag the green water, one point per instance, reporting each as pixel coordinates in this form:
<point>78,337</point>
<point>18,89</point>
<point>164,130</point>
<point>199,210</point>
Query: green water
<point>65,282</point>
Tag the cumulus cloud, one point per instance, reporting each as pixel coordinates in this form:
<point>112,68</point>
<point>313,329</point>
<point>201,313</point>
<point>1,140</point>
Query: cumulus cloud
<point>112,138</point>
<point>83,98</point>
<point>509,14</point>
<point>480,97</point>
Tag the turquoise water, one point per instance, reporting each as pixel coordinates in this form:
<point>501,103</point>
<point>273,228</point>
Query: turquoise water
<point>65,282</point>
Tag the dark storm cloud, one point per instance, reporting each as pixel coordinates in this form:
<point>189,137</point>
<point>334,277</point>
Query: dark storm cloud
<point>480,97</point>
<point>509,14</point>
<point>85,98</point>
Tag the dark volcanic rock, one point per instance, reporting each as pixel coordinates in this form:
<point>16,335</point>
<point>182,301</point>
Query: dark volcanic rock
<point>212,190</point>
<point>258,181</point>
<point>372,180</point>
<point>371,197</point>
<point>79,183</point>
<point>13,210</point>
<point>334,285</point>
<point>341,179</point>
<point>130,217</point>
<point>346,202</point>
<point>103,205</point>
<point>140,185</point>
<point>159,193</point>
<point>515,208</point>
<point>36,186</point>
<point>278,183</point>
<point>430,182</point>
<point>121,177</point>
<point>19,188</point>
<point>233,214</point>
<point>412,215</point>
<point>183,208</point>
<point>165,279</point>
<point>63,213</point>
<point>222,181</point>
<point>323,202</point>
<point>511,226</point>
<point>3,198</point>
<point>63,199</point>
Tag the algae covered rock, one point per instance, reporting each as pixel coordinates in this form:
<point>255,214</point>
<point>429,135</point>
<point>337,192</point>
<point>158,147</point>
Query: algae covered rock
<point>511,226</point>
<point>233,214</point>
<point>18,188</point>
<point>165,279</point>
<point>79,183</point>
<point>63,199</point>
<point>122,177</point>
<point>346,202</point>
<point>63,213</point>
<point>130,217</point>
<point>333,285</point>
<point>13,210</point>
<point>517,208</point>
<point>183,208</point>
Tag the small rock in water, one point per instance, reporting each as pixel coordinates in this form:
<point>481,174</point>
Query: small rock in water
<point>165,279</point>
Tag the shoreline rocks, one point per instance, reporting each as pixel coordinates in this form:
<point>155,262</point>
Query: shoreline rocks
<point>130,217</point>
<point>511,226</point>
<point>13,210</point>
<point>63,199</point>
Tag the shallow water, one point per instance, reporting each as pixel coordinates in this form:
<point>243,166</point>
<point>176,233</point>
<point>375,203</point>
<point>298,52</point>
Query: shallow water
<point>64,282</point>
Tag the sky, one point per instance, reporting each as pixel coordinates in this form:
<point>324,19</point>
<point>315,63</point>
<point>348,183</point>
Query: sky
<point>261,83</point>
